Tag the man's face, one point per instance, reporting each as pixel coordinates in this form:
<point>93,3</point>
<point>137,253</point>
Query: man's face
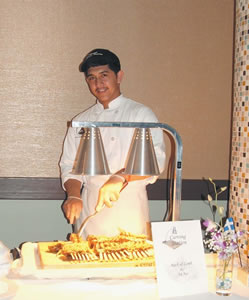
<point>104,84</point>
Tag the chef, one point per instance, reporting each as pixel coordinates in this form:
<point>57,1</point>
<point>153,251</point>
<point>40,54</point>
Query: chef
<point>127,210</point>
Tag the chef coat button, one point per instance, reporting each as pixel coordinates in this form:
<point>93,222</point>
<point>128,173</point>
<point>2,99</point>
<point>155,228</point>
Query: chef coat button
<point>112,138</point>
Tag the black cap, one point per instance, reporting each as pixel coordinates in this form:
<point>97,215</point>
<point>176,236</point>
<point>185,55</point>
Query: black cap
<point>100,57</point>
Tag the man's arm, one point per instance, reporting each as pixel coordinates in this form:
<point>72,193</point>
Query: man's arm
<point>72,207</point>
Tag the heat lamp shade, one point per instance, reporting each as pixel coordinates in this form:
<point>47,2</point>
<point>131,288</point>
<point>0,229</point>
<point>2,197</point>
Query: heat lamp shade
<point>141,159</point>
<point>91,158</point>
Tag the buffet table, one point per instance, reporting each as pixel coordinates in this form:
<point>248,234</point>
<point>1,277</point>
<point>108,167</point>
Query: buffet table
<point>27,282</point>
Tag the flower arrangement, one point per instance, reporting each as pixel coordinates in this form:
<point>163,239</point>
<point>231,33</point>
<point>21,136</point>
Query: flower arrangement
<point>220,238</point>
<point>223,241</point>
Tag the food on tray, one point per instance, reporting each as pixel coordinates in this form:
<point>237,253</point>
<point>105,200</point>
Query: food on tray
<point>73,251</point>
<point>74,237</point>
<point>123,247</point>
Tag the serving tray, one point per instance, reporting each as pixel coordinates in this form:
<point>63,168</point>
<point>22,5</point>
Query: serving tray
<point>50,260</point>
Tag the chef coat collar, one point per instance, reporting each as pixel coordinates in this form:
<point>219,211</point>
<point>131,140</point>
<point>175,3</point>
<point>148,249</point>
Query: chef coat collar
<point>115,103</point>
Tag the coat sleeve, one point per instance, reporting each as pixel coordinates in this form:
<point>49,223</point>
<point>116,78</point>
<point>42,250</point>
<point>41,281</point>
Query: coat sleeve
<point>67,157</point>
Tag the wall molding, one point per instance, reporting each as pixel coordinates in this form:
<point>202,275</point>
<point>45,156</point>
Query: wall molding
<point>40,188</point>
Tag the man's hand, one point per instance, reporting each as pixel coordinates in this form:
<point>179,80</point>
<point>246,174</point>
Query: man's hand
<point>74,204</point>
<point>72,208</point>
<point>110,191</point>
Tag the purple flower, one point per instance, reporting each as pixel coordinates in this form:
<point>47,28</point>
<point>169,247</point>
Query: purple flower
<point>210,225</point>
<point>222,255</point>
<point>225,243</point>
<point>219,244</point>
<point>217,236</point>
<point>240,233</point>
<point>234,246</point>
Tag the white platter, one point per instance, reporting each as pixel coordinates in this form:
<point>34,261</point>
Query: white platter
<point>29,266</point>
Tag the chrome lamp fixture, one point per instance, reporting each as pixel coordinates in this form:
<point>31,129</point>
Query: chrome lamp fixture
<point>141,159</point>
<point>90,158</point>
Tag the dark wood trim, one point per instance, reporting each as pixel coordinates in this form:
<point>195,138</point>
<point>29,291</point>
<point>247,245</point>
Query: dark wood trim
<point>37,188</point>
<point>31,188</point>
<point>192,189</point>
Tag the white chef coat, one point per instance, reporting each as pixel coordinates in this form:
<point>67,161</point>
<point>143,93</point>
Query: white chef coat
<point>130,212</point>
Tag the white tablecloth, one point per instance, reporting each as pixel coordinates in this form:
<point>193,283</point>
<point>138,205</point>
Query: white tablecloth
<point>22,287</point>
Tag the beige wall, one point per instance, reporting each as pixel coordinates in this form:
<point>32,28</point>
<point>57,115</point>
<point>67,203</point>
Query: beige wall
<point>177,58</point>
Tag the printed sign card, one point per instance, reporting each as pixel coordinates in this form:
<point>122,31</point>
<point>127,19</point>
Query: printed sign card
<point>180,258</point>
